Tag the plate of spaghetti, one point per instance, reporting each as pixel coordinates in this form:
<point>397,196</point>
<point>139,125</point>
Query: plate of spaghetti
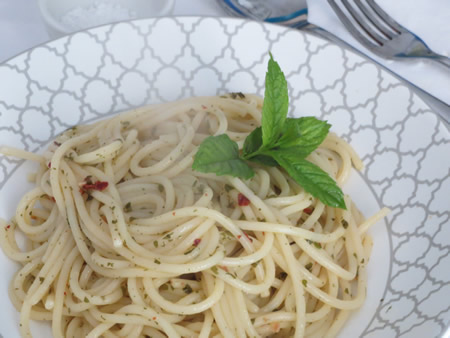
<point>168,178</point>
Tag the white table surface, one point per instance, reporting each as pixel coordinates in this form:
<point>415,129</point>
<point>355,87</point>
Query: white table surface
<point>21,28</point>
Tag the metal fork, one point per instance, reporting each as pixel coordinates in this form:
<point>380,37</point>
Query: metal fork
<point>381,34</point>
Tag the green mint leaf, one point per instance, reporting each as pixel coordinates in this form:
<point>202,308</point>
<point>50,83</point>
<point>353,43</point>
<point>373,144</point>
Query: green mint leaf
<point>265,160</point>
<point>313,179</point>
<point>275,105</point>
<point>304,133</point>
<point>220,155</point>
<point>252,143</point>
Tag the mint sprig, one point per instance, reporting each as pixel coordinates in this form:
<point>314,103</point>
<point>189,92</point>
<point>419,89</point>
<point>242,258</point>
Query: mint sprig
<point>280,141</point>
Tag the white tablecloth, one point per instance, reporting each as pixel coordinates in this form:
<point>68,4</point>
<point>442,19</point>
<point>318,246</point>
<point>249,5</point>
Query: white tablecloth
<point>21,28</point>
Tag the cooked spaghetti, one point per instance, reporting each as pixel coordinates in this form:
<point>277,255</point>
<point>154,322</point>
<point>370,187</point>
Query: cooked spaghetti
<point>123,239</point>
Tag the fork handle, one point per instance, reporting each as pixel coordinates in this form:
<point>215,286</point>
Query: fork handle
<point>443,60</point>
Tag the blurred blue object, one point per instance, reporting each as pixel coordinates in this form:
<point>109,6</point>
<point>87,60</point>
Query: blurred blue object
<point>285,12</point>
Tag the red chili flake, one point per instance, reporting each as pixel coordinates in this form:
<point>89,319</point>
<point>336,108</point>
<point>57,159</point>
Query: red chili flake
<point>248,237</point>
<point>173,213</point>
<point>308,211</point>
<point>224,268</point>
<point>204,107</point>
<point>65,293</point>
<point>263,233</point>
<point>239,236</point>
<point>197,241</point>
<point>154,318</point>
<point>99,185</point>
<point>275,326</point>
<point>242,200</point>
<point>49,164</point>
<point>53,199</point>
<point>33,217</point>
<point>8,227</point>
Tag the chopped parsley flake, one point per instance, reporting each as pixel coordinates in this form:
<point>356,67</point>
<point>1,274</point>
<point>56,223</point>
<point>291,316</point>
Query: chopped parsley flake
<point>187,289</point>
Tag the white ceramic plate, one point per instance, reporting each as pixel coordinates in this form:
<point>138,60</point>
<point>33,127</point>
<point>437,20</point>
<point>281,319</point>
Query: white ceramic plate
<point>404,145</point>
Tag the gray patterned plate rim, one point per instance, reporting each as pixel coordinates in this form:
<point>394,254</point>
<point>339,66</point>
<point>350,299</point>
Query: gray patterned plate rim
<point>418,91</point>
<point>367,105</point>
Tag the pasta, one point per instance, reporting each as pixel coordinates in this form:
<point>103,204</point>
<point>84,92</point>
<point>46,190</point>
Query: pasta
<point>123,239</point>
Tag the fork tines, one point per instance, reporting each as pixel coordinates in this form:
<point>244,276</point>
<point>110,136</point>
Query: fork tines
<point>377,24</point>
